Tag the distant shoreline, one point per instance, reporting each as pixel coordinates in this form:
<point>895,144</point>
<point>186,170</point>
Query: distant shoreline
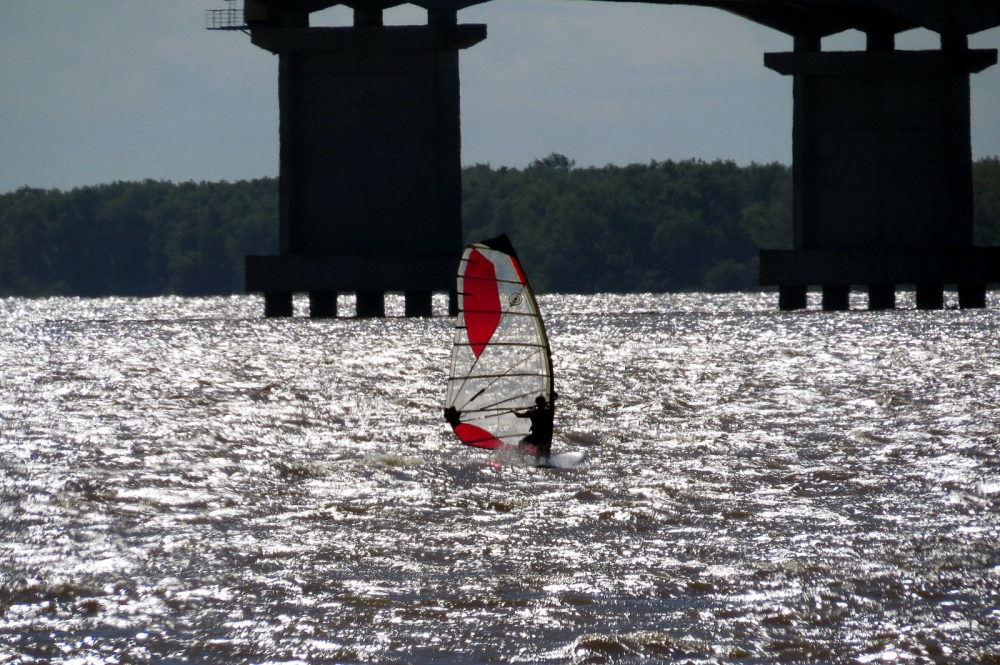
<point>660,227</point>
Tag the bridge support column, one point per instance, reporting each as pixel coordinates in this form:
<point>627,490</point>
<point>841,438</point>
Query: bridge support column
<point>370,304</point>
<point>836,297</point>
<point>972,296</point>
<point>418,303</point>
<point>322,304</point>
<point>881,296</point>
<point>791,298</point>
<point>370,165</point>
<point>882,171</point>
<point>930,296</point>
<point>277,304</point>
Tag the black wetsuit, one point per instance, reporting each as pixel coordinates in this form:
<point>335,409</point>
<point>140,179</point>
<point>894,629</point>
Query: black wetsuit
<point>541,429</point>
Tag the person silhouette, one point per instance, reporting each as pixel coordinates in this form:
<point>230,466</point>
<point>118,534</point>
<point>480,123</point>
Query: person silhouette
<point>451,414</point>
<point>540,435</point>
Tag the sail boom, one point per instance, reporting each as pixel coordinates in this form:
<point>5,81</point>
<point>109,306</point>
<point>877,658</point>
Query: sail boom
<point>492,376</point>
<point>486,311</point>
<point>511,344</point>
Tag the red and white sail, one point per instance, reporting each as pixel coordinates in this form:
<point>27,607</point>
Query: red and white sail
<point>500,361</point>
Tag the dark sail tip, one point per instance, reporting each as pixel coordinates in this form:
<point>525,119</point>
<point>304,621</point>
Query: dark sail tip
<point>501,244</point>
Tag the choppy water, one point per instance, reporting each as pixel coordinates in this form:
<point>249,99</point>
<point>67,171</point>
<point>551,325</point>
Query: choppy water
<point>184,481</point>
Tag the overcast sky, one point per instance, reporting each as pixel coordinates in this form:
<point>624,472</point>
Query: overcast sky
<point>92,92</point>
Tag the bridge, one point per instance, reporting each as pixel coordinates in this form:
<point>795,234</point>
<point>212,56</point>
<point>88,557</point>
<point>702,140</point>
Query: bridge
<point>370,163</point>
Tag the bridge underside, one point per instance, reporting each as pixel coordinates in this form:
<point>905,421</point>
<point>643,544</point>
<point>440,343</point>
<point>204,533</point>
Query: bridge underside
<point>821,18</point>
<point>370,184</point>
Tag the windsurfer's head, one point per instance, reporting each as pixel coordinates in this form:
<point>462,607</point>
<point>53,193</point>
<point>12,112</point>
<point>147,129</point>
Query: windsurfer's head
<point>540,402</point>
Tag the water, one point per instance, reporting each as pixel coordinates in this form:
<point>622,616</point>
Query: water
<point>184,481</point>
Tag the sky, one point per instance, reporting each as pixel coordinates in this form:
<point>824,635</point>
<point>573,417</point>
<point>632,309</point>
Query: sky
<point>94,92</point>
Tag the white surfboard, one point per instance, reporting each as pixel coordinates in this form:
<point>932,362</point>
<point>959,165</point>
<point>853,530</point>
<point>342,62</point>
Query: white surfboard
<point>568,460</point>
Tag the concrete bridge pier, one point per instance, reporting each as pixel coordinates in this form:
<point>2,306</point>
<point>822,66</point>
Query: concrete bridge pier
<point>836,297</point>
<point>930,296</point>
<point>277,303</point>
<point>322,304</point>
<point>881,296</point>
<point>882,172</point>
<point>972,296</point>
<point>370,164</point>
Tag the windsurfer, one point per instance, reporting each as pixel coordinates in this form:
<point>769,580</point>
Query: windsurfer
<point>451,414</point>
<point>541,417</point>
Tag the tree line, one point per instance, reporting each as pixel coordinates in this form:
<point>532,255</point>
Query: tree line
<point>135,238</point>
<point>657,227</point>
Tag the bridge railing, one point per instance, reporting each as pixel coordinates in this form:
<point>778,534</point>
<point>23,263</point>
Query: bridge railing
<point>229,18</point>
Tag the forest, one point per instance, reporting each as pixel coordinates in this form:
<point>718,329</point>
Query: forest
<point>657,227</point>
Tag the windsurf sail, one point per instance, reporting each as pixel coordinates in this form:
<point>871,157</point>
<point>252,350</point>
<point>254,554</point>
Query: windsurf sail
<point>500,361</point>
